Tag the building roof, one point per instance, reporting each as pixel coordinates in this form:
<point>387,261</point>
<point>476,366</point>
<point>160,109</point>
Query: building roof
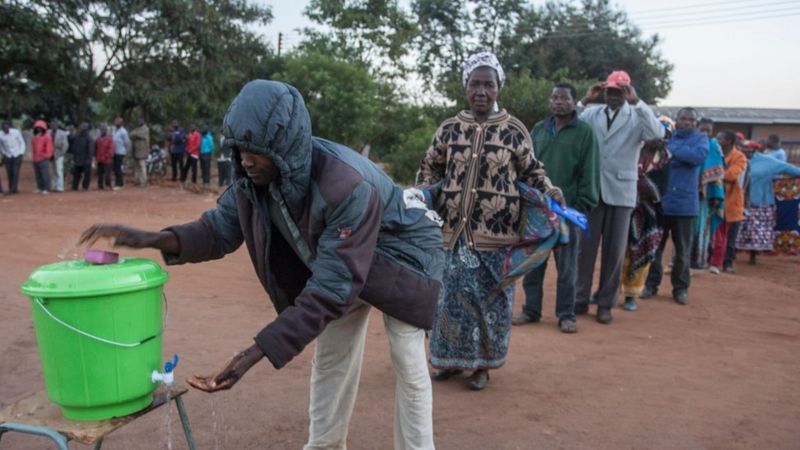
<point>760,116</point>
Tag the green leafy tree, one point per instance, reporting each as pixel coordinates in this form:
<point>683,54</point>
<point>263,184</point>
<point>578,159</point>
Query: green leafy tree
<point>375,33</point>
<point>188,58</point>
<point>493,20</point>
<point>342,98</point>
<point>39,68</point>
<point>590,40</point>
<point>159,59</point>
<point>88,39</point>
<point>443,42</point>
<point>406,153</point>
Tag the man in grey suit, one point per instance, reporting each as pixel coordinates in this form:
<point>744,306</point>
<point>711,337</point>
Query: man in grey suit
<point>621,125</point>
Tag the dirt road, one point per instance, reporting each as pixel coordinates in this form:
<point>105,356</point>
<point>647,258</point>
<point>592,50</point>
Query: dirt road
<point>720,373</point>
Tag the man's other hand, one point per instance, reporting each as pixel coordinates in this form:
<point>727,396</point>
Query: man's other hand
<point>122,236</point>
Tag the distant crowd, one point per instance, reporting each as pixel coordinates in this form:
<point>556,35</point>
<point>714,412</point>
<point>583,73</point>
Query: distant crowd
<point>104,152</point>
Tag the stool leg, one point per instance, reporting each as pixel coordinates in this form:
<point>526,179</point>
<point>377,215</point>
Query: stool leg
<point>98,444</point>
<point>57,437</point>
<point>187,429</point>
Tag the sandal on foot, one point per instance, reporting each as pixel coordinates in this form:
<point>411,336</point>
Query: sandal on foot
<point>445,374</point>
<point>478,380</point>
<point>630,304</point>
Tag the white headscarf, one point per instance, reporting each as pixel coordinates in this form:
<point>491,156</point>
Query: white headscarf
<point>483,59</point>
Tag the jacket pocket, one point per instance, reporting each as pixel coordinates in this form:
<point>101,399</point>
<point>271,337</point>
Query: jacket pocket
<point>631,175</point>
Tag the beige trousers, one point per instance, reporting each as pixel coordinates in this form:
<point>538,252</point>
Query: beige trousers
<point>140,171</point>
<point>336,369</point>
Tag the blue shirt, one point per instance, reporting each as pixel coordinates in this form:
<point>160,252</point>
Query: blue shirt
<point>178,141</point>
<point>207,144</point>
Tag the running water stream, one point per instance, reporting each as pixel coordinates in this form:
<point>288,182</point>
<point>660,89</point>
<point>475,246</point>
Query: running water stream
<point>168,413</point>
<point>70,250</point>
<point>218,423</point>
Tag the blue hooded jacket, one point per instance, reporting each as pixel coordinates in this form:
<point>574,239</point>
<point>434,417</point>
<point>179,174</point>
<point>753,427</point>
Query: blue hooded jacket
<point>763,169</point>
<point>689,149</point>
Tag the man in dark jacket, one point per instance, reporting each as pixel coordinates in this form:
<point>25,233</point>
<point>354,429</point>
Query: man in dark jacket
<point>82,149</point>
<point>329,235</point>
<point>680,204</point>
<point>178,149</point>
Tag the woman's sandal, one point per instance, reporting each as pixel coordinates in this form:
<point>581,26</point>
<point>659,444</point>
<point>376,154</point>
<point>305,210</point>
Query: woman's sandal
<point>478,380</point>
<point>445,374</point>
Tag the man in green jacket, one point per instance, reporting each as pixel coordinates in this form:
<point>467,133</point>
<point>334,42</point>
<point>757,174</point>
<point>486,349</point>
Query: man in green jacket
<point>568,149</point>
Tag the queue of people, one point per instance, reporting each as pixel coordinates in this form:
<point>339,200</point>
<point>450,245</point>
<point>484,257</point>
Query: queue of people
<point>188,150</point>
<point>107,151</point>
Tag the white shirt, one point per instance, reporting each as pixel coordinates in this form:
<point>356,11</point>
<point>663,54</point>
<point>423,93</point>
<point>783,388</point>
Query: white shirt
<point>12,144</point>
<point>122,142</point>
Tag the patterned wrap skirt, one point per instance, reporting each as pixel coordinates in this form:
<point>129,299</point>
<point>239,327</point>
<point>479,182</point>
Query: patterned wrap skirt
<point>758,229</point>
<point>473,316</point>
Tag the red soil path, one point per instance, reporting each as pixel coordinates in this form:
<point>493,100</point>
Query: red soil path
<point>720,373</point>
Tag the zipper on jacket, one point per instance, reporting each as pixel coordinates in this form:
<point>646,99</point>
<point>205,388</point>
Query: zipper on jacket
<point>469,187</point>
<point>305,252</point>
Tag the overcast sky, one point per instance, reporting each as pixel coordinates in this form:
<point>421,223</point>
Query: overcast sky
<point>734,53</point>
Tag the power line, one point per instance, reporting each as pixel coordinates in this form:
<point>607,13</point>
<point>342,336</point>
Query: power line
<point>676,25</point>
<point>788,12</point>
<point>724,10</point>
<point>668,22</point>
<point>672,8</point>
<point>696,17</point>
<point>743,19</point>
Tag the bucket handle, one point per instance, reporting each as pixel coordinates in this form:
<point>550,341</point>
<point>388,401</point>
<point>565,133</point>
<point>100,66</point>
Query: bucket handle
<point>97,338</point>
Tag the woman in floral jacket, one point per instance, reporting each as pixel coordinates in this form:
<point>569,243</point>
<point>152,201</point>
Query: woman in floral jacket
<point>476,157</point>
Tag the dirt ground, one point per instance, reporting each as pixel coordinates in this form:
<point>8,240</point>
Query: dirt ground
<point>720,373</point>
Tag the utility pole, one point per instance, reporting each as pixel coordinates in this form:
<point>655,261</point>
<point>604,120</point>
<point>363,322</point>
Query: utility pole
<point>280,43</point>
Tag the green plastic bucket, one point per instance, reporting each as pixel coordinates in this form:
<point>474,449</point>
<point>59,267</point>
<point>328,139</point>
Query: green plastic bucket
<point>99,333</point>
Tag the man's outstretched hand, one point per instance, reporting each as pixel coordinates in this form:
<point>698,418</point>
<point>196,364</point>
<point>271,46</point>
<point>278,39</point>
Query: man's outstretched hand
<point>230,374</point>
<point>122,236</point>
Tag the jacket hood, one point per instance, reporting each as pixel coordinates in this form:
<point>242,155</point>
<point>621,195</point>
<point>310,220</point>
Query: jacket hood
<point>270,118</point>
<point>40,124</point>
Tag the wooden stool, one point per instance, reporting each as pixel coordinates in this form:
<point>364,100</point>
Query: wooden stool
<point>36,414</point>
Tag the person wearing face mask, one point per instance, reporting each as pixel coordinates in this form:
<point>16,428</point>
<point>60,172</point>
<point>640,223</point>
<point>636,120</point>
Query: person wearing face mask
<point>477,156</point>
<point>621,125</point>
<point>680,205</point>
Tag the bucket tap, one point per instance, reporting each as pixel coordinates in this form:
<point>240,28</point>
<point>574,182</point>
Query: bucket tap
<point>167,376</point>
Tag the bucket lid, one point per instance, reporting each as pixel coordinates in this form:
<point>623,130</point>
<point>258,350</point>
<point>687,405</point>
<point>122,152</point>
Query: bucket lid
<point>72,279</point>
